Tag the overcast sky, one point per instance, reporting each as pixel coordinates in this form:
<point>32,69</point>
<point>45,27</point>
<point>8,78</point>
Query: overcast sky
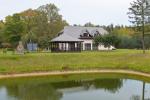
<point>102,12</point>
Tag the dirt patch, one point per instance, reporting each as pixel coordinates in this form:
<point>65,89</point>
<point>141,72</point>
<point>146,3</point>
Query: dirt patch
<point>74,72</point>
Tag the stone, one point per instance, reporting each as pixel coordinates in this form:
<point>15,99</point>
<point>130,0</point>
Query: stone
<point>20,48</point>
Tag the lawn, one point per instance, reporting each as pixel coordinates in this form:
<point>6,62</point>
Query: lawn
<point>34,62</point>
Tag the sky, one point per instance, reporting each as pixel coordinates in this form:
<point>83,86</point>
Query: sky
<point>99,12</point>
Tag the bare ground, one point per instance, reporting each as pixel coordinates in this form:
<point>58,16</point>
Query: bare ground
<point>74,72</point>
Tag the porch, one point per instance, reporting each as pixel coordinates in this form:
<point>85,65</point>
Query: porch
<point>66,46</point>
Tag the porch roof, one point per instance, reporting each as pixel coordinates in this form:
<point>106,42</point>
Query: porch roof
<point>65,38</point>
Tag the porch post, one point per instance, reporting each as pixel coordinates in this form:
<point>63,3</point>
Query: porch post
<point>91,46</point>
<point>83,46</point>
<point>65,47</point>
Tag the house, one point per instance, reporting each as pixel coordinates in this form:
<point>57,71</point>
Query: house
<point>77,38</point>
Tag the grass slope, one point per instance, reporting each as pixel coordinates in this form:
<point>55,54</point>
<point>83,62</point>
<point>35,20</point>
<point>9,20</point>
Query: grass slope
<point>32,62</point>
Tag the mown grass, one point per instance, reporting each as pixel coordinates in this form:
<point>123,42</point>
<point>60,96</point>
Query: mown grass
<point>32,62</point>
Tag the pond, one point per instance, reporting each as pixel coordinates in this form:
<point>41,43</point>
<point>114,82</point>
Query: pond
<point>76,87</point>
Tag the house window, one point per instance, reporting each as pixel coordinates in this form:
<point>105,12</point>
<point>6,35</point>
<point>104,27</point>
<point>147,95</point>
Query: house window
<point>85,34</point>
<point>87,46</point>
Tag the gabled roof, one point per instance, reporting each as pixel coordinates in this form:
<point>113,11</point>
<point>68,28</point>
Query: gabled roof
<point>65,38</point>
<point>72,33</point>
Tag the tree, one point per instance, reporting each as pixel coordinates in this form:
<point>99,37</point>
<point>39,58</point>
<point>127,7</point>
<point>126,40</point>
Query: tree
<point>107,40</point>
<point>44,23</point>
<point>123,31</point>
<point>89,24</point>
<point>110,40</point>
<point>1,24</point>
<point>14,28</point>
<point>55,21</point>
<point>1,32</point>
<point>36,25</point>
<point>109,28</point>
<point>98,40</point>
<point>138,12</point>
<point>30,37</point>
<point>51,11</point>
<point>44,42</point>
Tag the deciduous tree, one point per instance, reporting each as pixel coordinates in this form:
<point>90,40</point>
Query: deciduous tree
<point>14,28</point>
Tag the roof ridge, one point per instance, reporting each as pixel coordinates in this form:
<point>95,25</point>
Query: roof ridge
<point>83,27</point>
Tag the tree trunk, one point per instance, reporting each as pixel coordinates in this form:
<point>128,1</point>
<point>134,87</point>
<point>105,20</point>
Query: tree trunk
<point>143,42</point>
<point>143,29</point>
<point>143,92</point>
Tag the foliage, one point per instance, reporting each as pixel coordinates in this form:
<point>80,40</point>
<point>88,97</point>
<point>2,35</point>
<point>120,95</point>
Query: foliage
<point>89,24</point>
<point>32,25</point>
<point>130,42</point>
<point>1,32</point>
<point>51,11</point>
<point>133,42</point>
<point>44,42</point>
<point>14,28</point>
<point>138,12</point>
<point>129,37</point>
<point>110,40</point>
<point>30,37</point>
<point>123,31</point>
<point>55,22</point>
<point>98,40</point>
<point>107,40</point>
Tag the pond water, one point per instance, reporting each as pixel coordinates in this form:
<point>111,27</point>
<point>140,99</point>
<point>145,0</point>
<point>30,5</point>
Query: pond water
<point>76,87</point>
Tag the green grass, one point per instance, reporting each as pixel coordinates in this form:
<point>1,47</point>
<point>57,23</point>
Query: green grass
<point>32,62</point>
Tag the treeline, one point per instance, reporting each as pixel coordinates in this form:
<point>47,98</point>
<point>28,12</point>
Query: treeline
<point>130,37</point>
<point>33,25</point>
<point>125,37</point>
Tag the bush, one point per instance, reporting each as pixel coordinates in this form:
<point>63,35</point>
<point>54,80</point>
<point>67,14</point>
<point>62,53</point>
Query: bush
<point>107,40</point>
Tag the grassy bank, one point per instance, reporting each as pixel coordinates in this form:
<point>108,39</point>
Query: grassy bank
<point>70,77</point>
<point>32,62</point>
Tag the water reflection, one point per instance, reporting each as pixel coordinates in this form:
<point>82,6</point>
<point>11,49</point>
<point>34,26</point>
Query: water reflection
<point>137,97</point>
<point>48,90</point>
<point>33,92</point>
<point>111,85</point>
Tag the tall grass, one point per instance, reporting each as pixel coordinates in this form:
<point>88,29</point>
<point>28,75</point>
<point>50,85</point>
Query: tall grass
<point>32,62</point>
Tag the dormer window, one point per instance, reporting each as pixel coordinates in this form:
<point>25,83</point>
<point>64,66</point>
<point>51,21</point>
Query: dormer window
<point>85,34</point>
